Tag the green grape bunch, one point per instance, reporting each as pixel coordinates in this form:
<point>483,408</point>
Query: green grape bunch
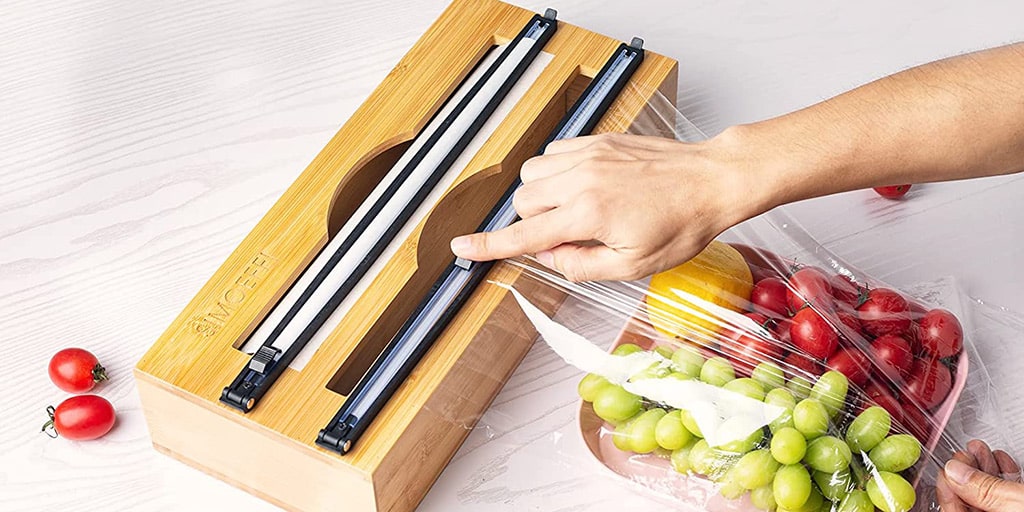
<point>814,455</point>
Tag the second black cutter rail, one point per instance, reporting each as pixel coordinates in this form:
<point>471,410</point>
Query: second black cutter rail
<point>461,278</point>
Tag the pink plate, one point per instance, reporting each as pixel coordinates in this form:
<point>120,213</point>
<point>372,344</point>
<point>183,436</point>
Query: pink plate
<point>656,473</point>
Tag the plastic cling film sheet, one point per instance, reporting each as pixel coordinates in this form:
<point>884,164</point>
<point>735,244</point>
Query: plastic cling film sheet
<point>724,416</point>
<point>766,373</point>
<point>735,432</point>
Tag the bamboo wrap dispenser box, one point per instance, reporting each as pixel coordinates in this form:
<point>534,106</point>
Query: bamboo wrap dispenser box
<point>259,416</point>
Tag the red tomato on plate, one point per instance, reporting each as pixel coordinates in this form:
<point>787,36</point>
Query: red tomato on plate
<point>929,383</point>
<point>813,334</point>
<point>808,285</point>
<point>748,349</point>
<point>797,364</point>
<point>940,333</point>
<point>845,290</point>
<point>893,355</point>
<point>853,363</point>
<point>769,297</point>
<point>884,312</point>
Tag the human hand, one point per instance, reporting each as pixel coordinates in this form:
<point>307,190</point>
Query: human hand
<point>980,480</point>
<point>621,206</point>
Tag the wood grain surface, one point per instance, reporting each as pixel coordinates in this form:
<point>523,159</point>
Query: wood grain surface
<point>139,143</point>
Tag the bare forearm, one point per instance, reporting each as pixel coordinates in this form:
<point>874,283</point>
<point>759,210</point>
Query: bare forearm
<point>957,118</point>
<point>651,203</point>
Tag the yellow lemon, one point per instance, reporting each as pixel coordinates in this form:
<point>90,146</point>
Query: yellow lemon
<point>686,301</point>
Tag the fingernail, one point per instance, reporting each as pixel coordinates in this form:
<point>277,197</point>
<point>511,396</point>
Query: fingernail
<point>1005,462</point>
<point>974,446</point>
<point>461,245</point>
<point>546,258</point>
<point>958,471</point>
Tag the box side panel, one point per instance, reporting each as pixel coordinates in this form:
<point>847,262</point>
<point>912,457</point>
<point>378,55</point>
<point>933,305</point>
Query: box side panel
<point>257,461</point>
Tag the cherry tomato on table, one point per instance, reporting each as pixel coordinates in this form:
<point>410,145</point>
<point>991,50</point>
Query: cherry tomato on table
<point>81,418</point>
<point>893,191</point>
<point>76,370</point>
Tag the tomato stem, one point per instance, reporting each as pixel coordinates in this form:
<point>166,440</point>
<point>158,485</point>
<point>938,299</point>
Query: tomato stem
<point>99,373</point>
<point>48,427</point>
<point>862,295</point>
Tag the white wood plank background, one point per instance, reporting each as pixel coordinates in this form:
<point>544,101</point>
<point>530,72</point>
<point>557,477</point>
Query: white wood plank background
<point>139,142</point>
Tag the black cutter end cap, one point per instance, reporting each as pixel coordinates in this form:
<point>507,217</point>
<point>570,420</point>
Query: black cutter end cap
<point>335,439</point>
<point>241,401</point>
<point>550,13</point>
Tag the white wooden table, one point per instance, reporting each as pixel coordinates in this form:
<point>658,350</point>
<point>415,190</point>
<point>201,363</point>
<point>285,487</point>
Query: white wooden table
<point>139,144</point>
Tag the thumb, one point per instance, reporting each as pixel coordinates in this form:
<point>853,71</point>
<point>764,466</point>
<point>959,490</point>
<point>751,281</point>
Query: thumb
<point>984,491</point>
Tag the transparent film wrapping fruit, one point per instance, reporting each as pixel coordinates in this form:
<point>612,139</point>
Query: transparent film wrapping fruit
<point>766,373</point>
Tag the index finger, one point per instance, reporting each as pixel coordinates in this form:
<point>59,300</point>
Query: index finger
<point>532,235</point>
<point>545,166</point>
<point>983,454</point>
<point>569,145</point>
